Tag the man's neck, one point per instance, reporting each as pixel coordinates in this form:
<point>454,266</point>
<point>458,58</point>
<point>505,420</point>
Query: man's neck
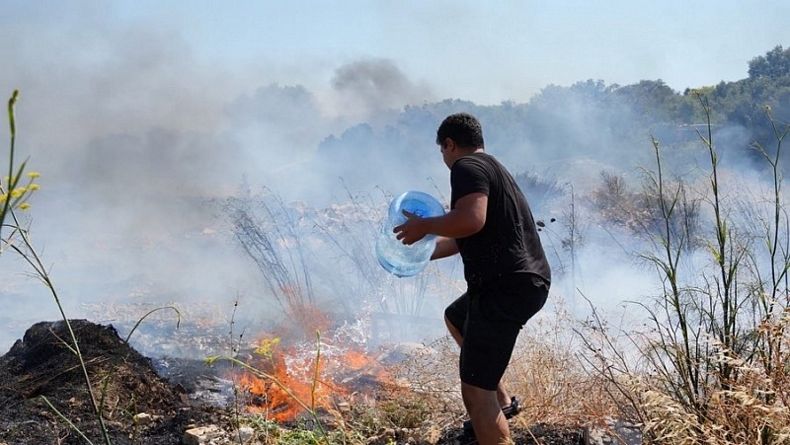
<point>469,151</point>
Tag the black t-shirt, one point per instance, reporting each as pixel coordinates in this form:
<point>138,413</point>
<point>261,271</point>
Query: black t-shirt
<point>508,242</point>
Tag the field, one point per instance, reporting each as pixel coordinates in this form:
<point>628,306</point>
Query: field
<point>704,361</point>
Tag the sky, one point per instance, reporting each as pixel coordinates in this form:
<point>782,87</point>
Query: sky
<point>126,66</point>
<point>486,52</point>
<point>132,110</point>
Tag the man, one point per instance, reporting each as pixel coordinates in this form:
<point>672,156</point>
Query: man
<point>490,224</point>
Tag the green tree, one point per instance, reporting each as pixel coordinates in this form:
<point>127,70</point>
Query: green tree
<point>775,63</point>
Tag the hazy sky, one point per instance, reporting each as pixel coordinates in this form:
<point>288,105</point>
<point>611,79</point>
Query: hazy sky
<point>482,51</point>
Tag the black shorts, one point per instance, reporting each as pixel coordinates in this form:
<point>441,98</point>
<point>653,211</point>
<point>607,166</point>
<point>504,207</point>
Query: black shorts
<point>489,320</point>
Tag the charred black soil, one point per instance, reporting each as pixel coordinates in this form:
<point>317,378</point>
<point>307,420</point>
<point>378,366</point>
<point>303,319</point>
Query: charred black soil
<point>40,364</point>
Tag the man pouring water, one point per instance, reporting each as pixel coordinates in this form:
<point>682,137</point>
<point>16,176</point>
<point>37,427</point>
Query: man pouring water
<point>491,225</point>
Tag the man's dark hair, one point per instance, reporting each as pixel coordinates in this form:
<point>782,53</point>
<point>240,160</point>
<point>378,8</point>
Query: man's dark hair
<point>463,128</point>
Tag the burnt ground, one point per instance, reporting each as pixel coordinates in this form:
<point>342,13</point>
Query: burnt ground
<point>538,434</point>
<point>40,364</point>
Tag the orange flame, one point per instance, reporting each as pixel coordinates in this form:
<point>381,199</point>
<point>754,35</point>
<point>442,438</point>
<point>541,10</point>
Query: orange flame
<point>333,381</point>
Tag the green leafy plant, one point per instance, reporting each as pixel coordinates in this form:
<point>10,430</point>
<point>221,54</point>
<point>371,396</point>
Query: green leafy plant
<point>14,195</point>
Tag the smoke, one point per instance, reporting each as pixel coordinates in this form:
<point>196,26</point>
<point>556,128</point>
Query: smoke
<point>283,124</point>
<point>370,86</point>
<point>139,142</point>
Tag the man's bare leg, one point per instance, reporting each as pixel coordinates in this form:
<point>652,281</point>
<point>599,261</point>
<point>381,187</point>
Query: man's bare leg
<point>489,422</point>
<point>501,394</point>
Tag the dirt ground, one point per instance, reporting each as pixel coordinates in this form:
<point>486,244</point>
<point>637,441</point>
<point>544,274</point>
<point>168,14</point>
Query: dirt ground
<point>536,435</point>
<point>41,365</point>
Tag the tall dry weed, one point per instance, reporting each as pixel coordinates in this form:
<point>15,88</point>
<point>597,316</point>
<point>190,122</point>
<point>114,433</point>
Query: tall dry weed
<point>712,362</point>
<point>750,409</point>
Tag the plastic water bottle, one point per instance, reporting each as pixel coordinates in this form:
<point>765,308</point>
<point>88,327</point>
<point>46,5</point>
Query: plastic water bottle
<point>394,256</point>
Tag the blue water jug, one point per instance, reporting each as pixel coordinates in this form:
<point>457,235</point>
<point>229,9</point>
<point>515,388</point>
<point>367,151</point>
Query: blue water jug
<point>394,256</point>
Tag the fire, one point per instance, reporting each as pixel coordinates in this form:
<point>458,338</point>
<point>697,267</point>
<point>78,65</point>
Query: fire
<point>356,360</point>
<point>305,377</point>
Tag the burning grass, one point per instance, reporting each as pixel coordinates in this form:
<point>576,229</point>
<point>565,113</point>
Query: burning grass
<point>286,380</point>
<point>417,399</point>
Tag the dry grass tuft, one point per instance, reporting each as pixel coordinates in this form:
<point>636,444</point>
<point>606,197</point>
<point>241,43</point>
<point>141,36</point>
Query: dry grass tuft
<point>751,408</point>
<point>548,376</point>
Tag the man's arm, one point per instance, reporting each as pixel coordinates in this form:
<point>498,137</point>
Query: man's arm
<point>444,247</point>
<point>467,218</point>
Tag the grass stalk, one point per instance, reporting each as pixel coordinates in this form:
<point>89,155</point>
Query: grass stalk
<point>67,420</point>
<point>35,261</point>
<point>317,369</point>
<point>32,258</point>
<point>106,382</point>
<point>12,127</point>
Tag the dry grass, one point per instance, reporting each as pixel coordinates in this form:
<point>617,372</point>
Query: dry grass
<point>753,408</point>
<point>712,365</point>
<point>548,375</point>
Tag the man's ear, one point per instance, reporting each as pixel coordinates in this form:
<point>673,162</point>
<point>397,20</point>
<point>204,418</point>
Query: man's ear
<point>450,144</point>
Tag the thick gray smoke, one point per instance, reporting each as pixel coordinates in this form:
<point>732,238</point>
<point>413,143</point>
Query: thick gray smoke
<point>139,144</point>
<point>374,85</point>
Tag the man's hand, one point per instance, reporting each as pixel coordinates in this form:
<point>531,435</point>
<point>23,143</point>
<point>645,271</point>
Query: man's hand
<point>467,218</point>
<point>413,230</point>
